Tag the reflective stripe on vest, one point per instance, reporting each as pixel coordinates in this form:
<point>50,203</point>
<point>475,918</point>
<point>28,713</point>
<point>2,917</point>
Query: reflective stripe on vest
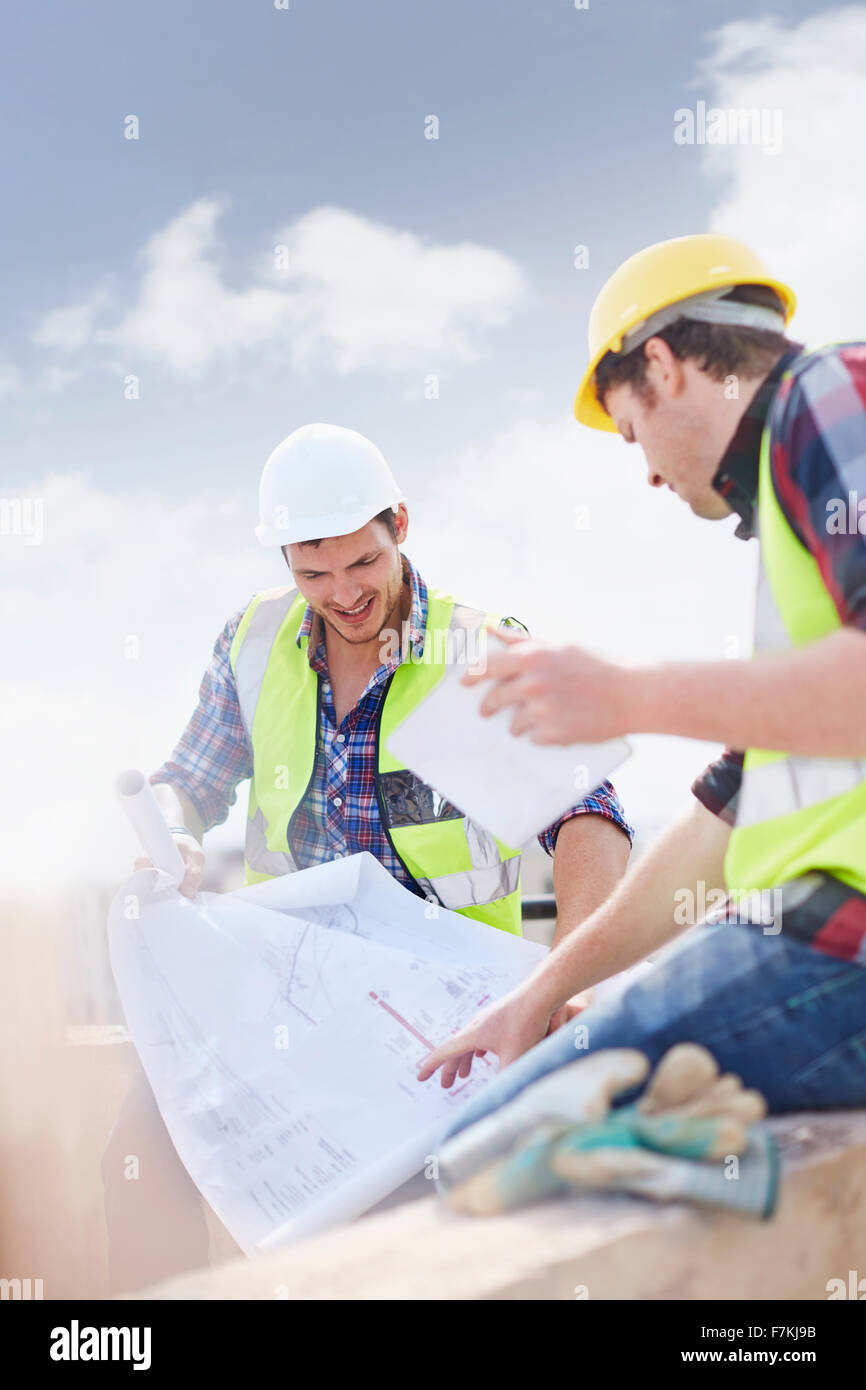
<point>474,887</point>
<point>454,861</point>
<point>256,634</point>
<point>795,814</point>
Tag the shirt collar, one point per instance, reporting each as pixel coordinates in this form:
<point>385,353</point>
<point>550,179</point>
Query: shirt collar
<point>736,478</point>
<point>417,623</point>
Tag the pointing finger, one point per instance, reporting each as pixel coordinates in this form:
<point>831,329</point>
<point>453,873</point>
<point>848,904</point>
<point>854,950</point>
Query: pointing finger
<point>452,1048</point>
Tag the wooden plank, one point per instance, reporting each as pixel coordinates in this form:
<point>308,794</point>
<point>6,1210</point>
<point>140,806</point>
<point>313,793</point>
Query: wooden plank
<point>601,1247</point>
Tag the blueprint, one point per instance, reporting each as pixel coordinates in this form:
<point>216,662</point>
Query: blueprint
<point>281,1027</point>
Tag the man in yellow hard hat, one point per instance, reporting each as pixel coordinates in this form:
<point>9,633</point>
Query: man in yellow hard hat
<point>689,359</point>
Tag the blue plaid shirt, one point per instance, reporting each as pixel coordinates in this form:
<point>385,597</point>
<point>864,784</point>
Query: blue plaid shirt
<point>340,813</point>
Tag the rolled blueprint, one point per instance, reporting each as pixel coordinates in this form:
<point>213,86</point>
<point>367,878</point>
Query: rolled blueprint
<point>148,822</point>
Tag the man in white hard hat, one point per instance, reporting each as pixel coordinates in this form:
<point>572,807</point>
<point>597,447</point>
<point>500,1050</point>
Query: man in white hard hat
<point>689,359</point>
<point>305,685</point>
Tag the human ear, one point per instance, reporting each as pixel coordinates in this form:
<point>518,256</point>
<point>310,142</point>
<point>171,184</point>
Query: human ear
<point>401,523</point>
<point>665,370</point>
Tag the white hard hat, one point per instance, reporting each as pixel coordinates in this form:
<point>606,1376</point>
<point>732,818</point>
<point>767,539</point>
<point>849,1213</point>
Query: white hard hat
<point>322,481</point>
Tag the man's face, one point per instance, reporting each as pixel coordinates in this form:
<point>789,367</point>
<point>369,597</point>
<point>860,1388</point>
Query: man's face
<point>683,429</point>
<point>352,582</point>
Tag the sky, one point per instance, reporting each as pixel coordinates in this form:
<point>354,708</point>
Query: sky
<point>280,243</point>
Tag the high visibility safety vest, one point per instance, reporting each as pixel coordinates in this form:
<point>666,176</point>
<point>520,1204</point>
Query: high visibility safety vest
<point>795,814</point>
<point>454,861</point>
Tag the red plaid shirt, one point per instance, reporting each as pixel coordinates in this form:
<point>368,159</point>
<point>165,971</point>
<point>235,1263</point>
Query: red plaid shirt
<point>819,471</point>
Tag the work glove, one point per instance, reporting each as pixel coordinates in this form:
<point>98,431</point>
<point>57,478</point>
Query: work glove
<point>581,1091</point>
<point>667,1147</point>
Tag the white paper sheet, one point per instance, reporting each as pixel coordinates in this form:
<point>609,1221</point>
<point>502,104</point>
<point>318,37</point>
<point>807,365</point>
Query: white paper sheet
<point>281,1027</point>
<point>512,787</point>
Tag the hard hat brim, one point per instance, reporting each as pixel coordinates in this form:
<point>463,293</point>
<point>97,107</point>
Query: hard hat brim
<point>322,527</point>
<point>587,408</point>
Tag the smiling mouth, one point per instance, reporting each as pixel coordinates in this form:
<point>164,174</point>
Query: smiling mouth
<point>356,615</point>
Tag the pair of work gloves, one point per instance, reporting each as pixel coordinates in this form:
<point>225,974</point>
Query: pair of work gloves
<point>691,1136</point>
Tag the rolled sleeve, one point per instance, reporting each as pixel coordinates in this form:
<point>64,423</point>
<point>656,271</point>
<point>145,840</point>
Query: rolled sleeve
<point>212,755</point>
<point>603,801</point>
<point>718,787</point>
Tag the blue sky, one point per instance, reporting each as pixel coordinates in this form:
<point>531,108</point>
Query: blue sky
<point>408,258</point>
<point>555,128</point>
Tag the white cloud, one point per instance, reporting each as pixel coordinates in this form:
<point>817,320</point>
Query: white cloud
<point>53,377</point>
<point>556,524</point>
<point>108,625</point>
<point>11,379</point>
<point>355,295</point>
<point>69,329</point>
<point>374,296</point>
<point>185,315</point>
<point>803,209</point>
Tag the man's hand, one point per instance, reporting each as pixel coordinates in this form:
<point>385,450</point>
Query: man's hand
<point>192,855</point>
<point>561,694</point>
<point>570,1009</point>
<point>508,1028</point>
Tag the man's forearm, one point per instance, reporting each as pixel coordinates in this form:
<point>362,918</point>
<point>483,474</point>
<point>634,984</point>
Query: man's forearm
<point>638,917</point>
<point>589,860</point>
<point>808,701</point>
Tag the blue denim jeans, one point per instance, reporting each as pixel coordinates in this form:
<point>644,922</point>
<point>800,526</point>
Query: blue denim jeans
<point>787,1018</point>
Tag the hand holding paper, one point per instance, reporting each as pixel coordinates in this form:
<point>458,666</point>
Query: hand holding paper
<point>511,786</point>
<point>148,822</point>
<point>562,695</point>
<point>182,860</point>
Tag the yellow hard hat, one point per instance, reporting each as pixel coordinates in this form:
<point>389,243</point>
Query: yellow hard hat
<point>652,280</point>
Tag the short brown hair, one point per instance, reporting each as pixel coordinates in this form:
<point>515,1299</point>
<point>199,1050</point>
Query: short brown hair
<point>720,350</point>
